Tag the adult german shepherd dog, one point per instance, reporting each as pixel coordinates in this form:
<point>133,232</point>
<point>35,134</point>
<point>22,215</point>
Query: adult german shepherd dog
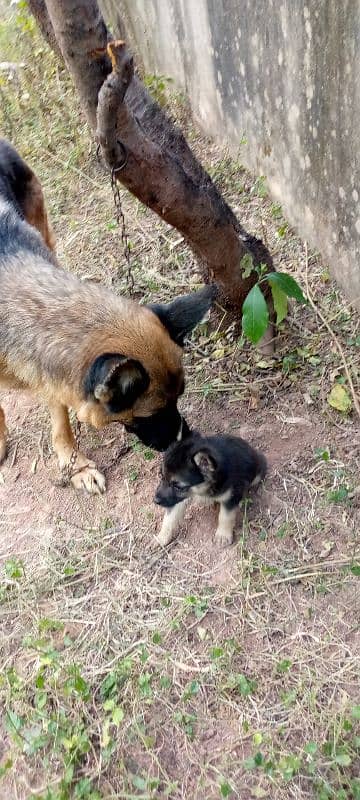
<point>78,345</point>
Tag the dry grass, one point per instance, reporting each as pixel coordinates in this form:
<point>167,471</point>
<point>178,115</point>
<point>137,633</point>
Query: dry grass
<point>132,672</point>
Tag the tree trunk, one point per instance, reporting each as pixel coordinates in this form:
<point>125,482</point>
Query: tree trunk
<point>160,168</point>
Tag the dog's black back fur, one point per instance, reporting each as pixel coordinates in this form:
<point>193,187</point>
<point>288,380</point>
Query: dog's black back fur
<point>15,233</point>
<point>15,177</point>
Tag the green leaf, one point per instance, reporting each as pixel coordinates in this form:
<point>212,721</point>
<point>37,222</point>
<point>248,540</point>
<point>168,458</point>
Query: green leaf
<point>14,568</point>
<point>339,398</point>
<point>249,763</point>
<point>245,686</point>
<point>355,569</point>
<point>287,284</point>
<point>118,715</point>
<point>343,759</point>
<point>109,705</point>
<point>255,317</point>
<point>40,700</point>
<point>311,748</point>
<point>14,722</point>
<point>225,789</point>
<point>323,453</point>
<point>247,265</point>
<point>216,652</point>
<point>284,665</point>
<point>138,782</point>
<point>280,302</point>
<point>355,712</point>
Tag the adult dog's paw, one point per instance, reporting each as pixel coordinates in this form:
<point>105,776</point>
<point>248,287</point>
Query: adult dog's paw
<point>89,478</point>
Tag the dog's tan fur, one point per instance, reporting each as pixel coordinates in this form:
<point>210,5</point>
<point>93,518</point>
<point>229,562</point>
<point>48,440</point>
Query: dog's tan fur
<point>34,210</point>
<point>54,326</point>
<point>78,345</point>
<point>58,325</point>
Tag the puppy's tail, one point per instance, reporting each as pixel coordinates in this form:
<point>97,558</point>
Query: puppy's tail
<point>261,468</point>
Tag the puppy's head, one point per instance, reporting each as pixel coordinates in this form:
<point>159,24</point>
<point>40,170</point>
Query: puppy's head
<point>139,384</point>
<point>188,469</point>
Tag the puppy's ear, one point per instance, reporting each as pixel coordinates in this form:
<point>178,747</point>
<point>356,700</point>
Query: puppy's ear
<point>182,315</point>
<point>116,381</point>
<point>205,463</point>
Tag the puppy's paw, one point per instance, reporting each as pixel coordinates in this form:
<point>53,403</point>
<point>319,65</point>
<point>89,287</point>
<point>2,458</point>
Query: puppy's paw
<point>164,538</point>
<point>223,537</point>
<point>89,478</point>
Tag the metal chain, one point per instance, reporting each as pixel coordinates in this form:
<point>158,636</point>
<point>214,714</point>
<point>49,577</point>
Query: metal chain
<point>120,219</point>
<point>67,469</point>
<point>119,214</point>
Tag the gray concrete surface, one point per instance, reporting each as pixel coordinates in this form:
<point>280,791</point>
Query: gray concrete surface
<point>284,74</point>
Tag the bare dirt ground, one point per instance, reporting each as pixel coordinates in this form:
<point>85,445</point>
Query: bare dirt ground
<point>130,671</point>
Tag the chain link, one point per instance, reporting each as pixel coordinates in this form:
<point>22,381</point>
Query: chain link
<point>119,215</point>
<point>120,219</point>
<point>67,469</point>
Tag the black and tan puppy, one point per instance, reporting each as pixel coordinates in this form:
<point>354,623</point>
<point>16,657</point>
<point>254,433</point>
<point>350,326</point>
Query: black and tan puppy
<point>214,468</point>
<point>77,345</point>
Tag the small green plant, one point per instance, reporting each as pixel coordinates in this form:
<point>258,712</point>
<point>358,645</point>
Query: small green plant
<point>191,690</point>
<point>225,789</point>
<point>322,453</point>
<point>240,684</point>
<point>14,569</point>
<point>255,312</point>
<point>276,211</point>
<point>158,86</point>
<point>339,495</point>
<point>283,666</point>
<point>187,722</point>
<point>199,605</point>
<point>259,188</point>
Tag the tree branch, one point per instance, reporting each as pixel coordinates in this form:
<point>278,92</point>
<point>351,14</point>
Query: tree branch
<point>160,169</point>
<point>40,12</point>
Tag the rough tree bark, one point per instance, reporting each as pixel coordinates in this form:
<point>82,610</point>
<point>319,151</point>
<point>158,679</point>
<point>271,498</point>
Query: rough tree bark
<point>160,169</point>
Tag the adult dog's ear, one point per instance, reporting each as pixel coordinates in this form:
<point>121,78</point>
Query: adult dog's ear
<point>205,462</point>
<point>115,381</point>
<point>182,315</point>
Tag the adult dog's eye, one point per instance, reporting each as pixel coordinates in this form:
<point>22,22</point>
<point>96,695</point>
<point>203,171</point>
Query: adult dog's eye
<point>180,487</point>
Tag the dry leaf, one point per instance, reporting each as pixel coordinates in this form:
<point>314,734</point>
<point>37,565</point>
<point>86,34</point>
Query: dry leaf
<point>327,548</point>
<point>219,353</point>
<point>339,398</point>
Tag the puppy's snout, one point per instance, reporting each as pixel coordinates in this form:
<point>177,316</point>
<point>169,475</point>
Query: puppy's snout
<point>164,496</point>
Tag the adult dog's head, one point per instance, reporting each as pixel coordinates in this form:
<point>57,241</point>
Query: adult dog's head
<point>140,378</point>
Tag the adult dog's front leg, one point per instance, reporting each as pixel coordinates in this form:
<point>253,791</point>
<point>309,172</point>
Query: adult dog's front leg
<point>84,472</point>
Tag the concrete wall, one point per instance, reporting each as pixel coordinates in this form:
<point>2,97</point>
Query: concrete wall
<point>284,73</point>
